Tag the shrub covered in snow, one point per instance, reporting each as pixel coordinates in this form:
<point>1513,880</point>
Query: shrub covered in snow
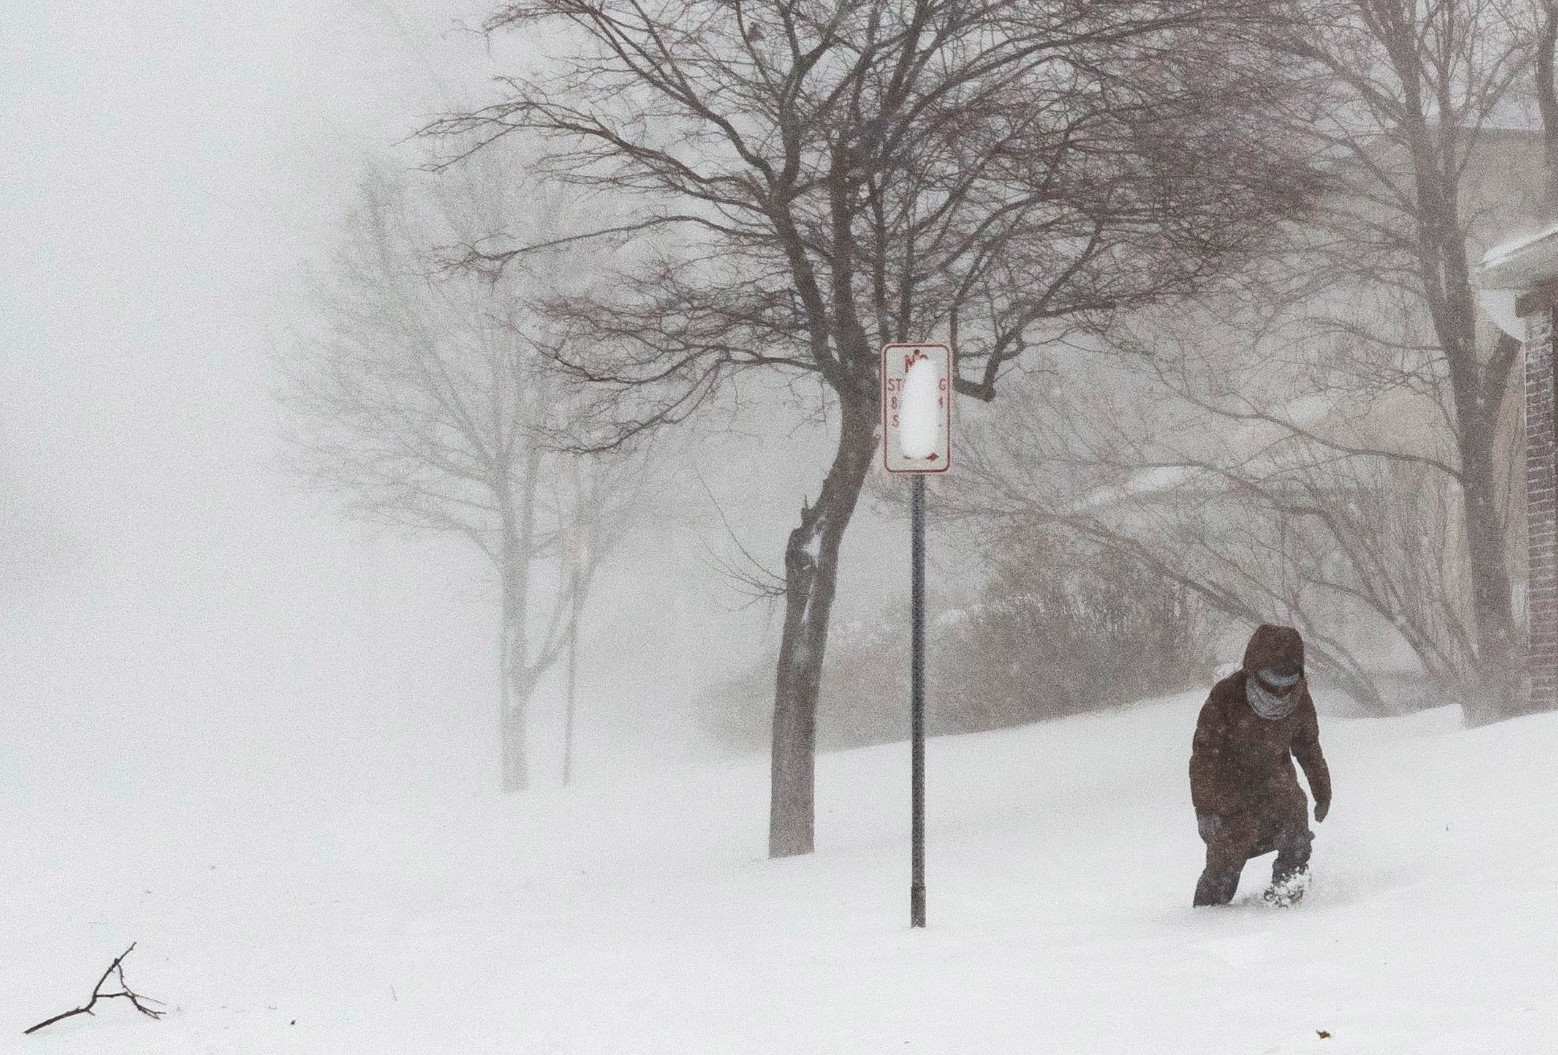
<point>864,699</point>
<point>1064,628</point>
<point>1057,630</point>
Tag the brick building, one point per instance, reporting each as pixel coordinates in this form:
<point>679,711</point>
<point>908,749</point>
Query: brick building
<point>1519,283</point>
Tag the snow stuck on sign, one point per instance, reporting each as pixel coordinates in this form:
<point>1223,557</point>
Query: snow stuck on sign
<point>917,407</point>
<point>920,417</point>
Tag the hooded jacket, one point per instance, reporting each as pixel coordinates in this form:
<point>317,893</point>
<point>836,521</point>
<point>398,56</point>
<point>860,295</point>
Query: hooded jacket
<point>1243,763</point>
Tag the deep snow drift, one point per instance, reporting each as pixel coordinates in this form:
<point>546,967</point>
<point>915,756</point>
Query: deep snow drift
<point>643,916</point>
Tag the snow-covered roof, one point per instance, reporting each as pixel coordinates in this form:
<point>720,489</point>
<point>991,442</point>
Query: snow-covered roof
<point>1520,263</point>
<point>1141,483</point>
<point>1398,419</point>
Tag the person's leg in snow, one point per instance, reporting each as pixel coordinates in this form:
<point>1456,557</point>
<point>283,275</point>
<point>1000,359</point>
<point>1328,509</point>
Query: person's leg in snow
<point>1215,888</point>
<point>1230,846</point>
<point>1290,871</point>
<point>1277,821</point>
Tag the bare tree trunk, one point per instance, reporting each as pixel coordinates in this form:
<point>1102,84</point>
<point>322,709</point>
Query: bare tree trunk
<point>517,676</point>
<point>811,576</point>
<point>514,696</point>
<point>1492,598</point>
<point>1547,101</point>
<point>1478,391</point>
<point>576,603</point>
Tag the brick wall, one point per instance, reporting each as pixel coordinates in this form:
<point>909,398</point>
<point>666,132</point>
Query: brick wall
<point>1542,516</point>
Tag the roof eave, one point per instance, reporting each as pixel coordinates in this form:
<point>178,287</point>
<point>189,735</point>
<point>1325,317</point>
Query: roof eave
<point>1521,265</point>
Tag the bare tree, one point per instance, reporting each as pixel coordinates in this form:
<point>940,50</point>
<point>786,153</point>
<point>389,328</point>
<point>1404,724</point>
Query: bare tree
<point>1344,452</point>
<point>1416,93</point>
<point>818,179</point>
<point>427,403</point>
<point>1351,387</point>
<point>1316,529</point>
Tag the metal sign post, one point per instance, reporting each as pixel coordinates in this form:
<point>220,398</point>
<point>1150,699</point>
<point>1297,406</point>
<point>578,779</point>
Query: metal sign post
<point>576,552</point>
<point>917,702</point>
<point>917,439</point>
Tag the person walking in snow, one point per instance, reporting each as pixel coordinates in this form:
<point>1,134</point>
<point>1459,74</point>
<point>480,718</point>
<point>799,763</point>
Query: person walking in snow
<point>1246,795</point>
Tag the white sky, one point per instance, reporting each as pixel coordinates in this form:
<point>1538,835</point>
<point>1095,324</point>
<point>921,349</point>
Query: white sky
<point>168,168</point>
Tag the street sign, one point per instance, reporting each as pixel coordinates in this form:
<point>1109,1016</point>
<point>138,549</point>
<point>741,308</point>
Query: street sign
<point>916,408</point>
<point>917,440</point>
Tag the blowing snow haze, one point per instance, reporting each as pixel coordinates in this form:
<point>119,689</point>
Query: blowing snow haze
<point>259,738</point>
<point>176,615</point>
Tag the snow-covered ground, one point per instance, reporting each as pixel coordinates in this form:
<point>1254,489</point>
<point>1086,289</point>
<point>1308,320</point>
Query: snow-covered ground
<point>643,916</point>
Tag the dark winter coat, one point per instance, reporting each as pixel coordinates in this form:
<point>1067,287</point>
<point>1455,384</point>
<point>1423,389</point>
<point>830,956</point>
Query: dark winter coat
<point>1241,765</point>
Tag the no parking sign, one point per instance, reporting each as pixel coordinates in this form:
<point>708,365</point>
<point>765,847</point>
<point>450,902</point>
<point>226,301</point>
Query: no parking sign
<point>917,408</point>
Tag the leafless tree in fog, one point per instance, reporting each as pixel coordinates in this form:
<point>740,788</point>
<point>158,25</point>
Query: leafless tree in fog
<point>1414,89</point>
<point>818,179</point>
<point>428,402</point>
<point>1350,399</point>
<point>1256,521</point>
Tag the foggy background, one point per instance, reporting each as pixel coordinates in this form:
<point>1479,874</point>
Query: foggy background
<point>179,619</point>
<point>257,742</point>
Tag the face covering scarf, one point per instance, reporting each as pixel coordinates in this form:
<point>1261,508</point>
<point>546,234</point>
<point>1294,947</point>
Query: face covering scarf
<point>1267,704</point>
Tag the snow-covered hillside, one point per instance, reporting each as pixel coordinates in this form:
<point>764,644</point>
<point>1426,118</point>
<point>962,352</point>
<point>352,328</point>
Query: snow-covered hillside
<point>644,917</point>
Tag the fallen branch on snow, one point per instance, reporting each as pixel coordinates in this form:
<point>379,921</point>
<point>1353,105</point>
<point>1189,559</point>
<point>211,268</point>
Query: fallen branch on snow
<point>117,967</point>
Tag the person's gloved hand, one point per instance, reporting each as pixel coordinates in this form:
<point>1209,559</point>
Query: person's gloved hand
<point>1321,809</point>
<point>1208,824</point>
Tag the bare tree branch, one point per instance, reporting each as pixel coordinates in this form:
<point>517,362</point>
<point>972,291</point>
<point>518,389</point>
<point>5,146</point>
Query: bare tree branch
<point>115,969</point>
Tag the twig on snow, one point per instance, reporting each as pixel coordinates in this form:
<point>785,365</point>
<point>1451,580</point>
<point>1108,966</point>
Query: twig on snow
<point>115,968</point>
